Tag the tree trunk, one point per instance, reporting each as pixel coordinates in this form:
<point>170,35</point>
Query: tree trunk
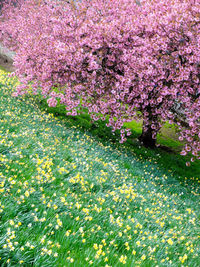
<point>146,137</point>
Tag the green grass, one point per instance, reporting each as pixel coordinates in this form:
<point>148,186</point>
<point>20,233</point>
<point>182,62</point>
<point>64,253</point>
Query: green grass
<point>71,195</point>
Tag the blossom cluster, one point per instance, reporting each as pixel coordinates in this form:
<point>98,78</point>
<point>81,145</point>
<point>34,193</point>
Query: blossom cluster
<point>115,58</point>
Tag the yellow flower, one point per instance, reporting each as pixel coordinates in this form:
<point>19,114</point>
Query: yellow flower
<point>138,243</point>
<point>122,259</point>
<point>104,242</point>
<point>11,222</point>
<point>170,242</point>
<point>106,259</point>
<point>59,222</point>
<point>62,199</point>
<point>67,233</point>
<point>143,257</point>
<point>162,224</point>
<point>133,252</point>
<point>189,211</point>
<point>55,206</point>
<point>42,241</point>
<point>49,252</point>
<point>27,194</point>
<point>81,229</point>
<point>96,256</point>
<point>95,246</point>
<point>182,259</point>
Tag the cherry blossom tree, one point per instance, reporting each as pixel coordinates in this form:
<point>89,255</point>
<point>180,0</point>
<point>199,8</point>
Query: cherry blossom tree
<point>123,58</point>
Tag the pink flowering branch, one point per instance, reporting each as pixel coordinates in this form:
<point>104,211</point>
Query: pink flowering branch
<point>118,58</point>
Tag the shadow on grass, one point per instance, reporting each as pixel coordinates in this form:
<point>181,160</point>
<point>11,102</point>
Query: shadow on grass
<point>166,155</point>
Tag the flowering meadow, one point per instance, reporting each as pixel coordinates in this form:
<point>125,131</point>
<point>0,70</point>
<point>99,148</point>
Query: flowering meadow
<point>69,199</point>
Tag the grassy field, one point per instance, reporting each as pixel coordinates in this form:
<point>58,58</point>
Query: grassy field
<point>71,195</point>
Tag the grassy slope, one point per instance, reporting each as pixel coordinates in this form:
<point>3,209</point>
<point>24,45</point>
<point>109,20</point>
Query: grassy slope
<point>68,198</point>
<point>167,139</point>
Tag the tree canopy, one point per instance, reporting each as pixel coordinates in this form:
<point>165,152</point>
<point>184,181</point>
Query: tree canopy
<point>115,58</point>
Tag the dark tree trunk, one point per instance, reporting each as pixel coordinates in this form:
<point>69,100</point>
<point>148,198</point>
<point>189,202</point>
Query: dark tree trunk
<point>146,137</point>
